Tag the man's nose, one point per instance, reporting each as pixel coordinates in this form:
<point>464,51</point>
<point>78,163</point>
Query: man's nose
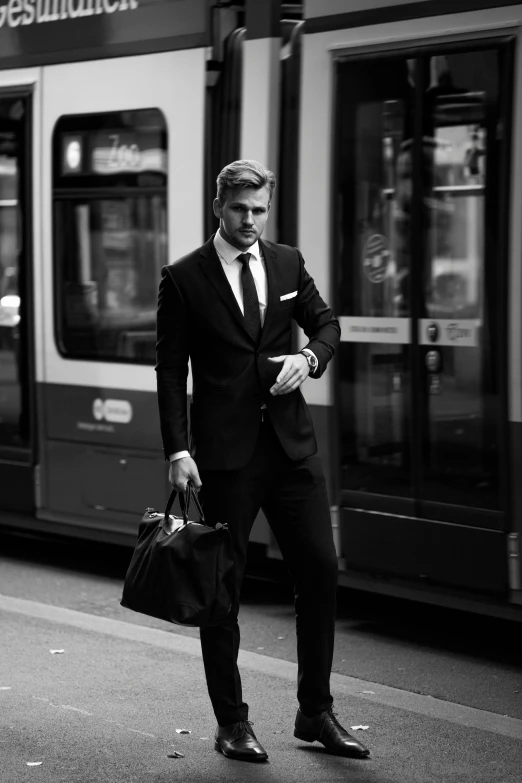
<point>248,218</point>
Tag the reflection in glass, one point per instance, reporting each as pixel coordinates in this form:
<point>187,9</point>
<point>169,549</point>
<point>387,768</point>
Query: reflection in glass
<point>110,229</point>
<point>13,403</point>
<point>420,184</point>
<point>461,114</point>
<point>374,196</point>
<point>111,254</point>
<point>456,223</point>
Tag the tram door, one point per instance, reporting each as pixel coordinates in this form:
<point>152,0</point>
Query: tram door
<point>16,459</point>
<point>421,203</point>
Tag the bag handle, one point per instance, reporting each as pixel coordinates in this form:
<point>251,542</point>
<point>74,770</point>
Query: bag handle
<point>185,500</point>
<point>189,496</point>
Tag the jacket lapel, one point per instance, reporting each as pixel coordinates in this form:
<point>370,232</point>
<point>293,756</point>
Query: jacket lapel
<point>269,256</point>
<point>211,266</point>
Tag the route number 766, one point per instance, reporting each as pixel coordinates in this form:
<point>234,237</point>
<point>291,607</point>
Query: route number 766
<point>123,156</point>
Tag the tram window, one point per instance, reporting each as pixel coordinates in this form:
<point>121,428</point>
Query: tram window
<point>110,233</point>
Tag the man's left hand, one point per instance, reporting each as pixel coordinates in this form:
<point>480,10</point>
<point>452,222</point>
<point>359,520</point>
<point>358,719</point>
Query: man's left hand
<point>293,372</point>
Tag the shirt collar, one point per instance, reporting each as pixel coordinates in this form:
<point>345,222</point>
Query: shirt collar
<point>229,253</point>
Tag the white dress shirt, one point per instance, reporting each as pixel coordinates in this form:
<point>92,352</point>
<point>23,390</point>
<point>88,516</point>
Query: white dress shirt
<point>228,255</point>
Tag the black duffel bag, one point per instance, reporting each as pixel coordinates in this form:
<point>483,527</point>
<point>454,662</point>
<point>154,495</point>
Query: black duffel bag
<point>181,571</point>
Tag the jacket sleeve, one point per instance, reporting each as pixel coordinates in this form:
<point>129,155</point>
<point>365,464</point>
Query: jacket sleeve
<point>172,357</point>
<point>317,321</point>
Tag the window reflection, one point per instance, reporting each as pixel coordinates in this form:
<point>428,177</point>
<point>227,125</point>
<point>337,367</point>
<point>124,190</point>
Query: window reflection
<point>457,223</point>
<point>462,272</point>
<point>375,189</point>
<point>14,420</point>
<point>111,256</point>
<point>110,246</point>
<point>420,178</point>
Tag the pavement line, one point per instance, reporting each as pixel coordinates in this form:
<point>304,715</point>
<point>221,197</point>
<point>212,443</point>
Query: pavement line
<point>92,715</point>
<point>420,704</point>
<point>74,709</point>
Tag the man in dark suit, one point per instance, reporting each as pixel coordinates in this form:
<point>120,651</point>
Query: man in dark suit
<point>228,307</point>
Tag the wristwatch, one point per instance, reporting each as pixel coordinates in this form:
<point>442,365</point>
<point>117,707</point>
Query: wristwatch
<point>311,358</point>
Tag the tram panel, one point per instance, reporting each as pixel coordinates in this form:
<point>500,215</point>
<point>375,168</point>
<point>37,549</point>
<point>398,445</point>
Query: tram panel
<point>421,187</point>
<point>122,170</point>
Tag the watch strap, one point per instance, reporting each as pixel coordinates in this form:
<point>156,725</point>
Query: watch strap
<point>311,358</point>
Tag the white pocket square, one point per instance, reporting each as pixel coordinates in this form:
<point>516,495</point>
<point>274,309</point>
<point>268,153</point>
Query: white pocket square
<point>288,296</point>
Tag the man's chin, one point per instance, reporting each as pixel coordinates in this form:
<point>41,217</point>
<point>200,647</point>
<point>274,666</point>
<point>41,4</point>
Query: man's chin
<point>246,240</point>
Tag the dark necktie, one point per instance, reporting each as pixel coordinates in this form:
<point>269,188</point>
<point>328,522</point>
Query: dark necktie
<point>250,300</point>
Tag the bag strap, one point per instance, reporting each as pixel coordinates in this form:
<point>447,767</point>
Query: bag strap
<point>170,503</point>
<point>188,497</point>
<point>185,500</point>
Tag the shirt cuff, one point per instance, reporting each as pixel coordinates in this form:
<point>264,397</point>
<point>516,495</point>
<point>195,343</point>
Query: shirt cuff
<point>178,455</point>
<point>309,350</point>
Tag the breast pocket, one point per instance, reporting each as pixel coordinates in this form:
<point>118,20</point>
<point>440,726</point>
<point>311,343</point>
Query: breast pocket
<point>288,300</point>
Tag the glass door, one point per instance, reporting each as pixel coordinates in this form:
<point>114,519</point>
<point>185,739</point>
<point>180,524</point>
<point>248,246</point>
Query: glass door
<point>461,328</point>
<point>422,180</point>
<point>374,188</point>
<point>15,311</point>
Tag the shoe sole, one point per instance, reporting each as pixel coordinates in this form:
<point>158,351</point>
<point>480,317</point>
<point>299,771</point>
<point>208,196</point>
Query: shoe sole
<point>255,759</point>
<point>313,738</point>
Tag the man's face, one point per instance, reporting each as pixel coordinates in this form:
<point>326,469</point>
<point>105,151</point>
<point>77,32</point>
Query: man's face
<point>243,216</point>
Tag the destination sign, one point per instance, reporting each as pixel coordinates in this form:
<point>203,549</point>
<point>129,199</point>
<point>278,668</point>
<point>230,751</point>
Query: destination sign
<point>14,13</point>
<point>41,32</point>
<point>118,152</point>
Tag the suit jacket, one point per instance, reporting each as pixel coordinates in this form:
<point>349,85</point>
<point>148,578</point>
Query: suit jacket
<point>199,318</point>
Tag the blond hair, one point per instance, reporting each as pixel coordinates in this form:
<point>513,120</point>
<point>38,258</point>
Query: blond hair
<point>244,174</point>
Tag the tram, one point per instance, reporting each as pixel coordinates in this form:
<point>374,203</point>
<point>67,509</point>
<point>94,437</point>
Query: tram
<point>395,131</point>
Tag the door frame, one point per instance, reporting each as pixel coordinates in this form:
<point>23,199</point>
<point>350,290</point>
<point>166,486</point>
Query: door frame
<point>17,463</point>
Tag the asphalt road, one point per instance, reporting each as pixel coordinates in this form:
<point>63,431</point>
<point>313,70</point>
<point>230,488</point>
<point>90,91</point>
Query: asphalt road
<point>450,655</point>
<point>107,709</point>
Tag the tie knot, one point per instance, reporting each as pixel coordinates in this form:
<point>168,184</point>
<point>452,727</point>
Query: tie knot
<point>244,258</point>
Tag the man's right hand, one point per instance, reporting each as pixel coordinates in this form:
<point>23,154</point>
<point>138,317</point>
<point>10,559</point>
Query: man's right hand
<point>182,470</point>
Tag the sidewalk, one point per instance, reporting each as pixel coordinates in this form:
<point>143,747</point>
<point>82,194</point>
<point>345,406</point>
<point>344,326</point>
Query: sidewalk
<point>107,709</point>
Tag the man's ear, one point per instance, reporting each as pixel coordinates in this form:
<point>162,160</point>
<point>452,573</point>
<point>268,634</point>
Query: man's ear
<point>217,208</point>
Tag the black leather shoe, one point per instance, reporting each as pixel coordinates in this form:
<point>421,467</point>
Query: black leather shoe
<point>326,728</point>
<point>238,741</point>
